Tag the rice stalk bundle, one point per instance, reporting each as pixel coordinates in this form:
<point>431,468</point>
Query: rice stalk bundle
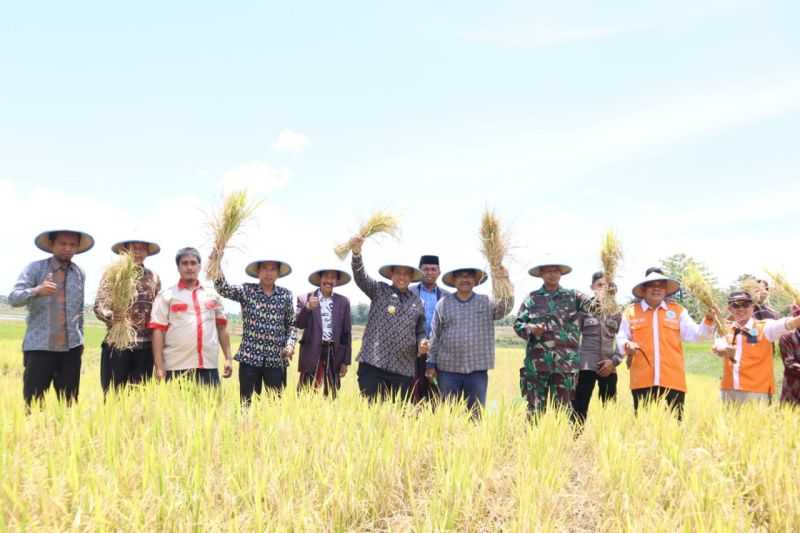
<point>783,286</point>
<point>697,284</point>
<point>122,277</point>
<point>380,222</point>
<point>495,244</point>
<point>610,258</point>
<point>236,211</point>
<point>751,286</point>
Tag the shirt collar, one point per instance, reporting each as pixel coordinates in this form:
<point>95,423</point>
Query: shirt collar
<point>182,285</point>
<point>432,291</point>
<point>646,306</point>
<point>56,264</point>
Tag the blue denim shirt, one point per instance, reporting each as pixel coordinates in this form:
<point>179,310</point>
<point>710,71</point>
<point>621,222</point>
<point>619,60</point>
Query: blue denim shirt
<point>37,334</point>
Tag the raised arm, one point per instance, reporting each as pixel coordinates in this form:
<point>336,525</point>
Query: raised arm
<point>691,331</point>
<point>227,290</point>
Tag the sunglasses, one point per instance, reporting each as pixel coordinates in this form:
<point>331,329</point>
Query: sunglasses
<point>740,305</point>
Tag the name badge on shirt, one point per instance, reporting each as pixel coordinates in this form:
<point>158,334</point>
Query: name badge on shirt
<point>671,314</point>
<point>591,322</point>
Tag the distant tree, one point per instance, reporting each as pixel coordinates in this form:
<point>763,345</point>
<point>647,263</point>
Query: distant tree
<point>360,313</point>
<point>675,267</point>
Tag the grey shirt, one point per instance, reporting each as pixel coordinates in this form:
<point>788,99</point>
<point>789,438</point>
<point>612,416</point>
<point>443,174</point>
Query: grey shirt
<point>395,324</point>
<point>598,340</point>
<point>37,333</point>
<point>462,333</point>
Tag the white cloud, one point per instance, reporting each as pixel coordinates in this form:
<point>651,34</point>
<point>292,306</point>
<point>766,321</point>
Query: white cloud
<point>290,141</point>
<point>257,177</point>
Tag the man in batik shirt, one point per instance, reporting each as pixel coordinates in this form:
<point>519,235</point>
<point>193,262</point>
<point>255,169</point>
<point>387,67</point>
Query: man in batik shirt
<point>268,334</point>
<point>549,320</point>
<point>134,365</point>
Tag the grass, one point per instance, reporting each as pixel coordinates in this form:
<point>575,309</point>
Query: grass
<point>178,458</point>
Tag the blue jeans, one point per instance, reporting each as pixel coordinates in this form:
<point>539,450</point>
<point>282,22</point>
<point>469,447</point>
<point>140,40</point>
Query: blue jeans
<point>470,386</point>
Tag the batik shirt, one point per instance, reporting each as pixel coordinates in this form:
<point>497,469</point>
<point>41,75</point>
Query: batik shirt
<point>147,288</point>
<point>556,351</point>
<point>54,323</point>
<point>790,353</point>
<point>267,322</point>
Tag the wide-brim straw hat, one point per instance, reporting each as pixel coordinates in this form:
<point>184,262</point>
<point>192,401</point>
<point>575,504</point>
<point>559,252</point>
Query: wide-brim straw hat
<point>386,271</point>
<point>343,278</point>
<point>536,271</point>
<point>42,241</point>
<point>152,248</point>
<point>448,279</point>
<point>283,268</point>
<point>672,285</point>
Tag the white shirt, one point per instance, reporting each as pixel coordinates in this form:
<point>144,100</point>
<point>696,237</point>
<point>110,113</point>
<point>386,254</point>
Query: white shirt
<point>326,313</point>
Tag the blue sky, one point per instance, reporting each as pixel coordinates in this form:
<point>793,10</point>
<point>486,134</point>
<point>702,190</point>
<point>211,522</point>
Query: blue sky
<point>674,123</point>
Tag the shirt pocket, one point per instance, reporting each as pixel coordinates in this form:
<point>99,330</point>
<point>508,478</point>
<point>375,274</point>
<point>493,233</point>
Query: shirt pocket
<point>178,307</point>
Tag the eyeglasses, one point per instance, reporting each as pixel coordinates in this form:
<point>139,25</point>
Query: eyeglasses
<point>740,305</point>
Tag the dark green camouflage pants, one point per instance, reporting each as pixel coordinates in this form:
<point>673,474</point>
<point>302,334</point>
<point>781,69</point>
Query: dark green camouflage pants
<point>540,387</point>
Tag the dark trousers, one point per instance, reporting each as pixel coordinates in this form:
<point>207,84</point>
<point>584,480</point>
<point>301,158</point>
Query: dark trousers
<point>374,382</point>
<point>472,387</point>
<point>673,398</point>
<point>43,368</point>
<point>203,376</point>
<point>325,376</point>
<point>252,378</point>
<point>127,367</point>
<point>583,392</point>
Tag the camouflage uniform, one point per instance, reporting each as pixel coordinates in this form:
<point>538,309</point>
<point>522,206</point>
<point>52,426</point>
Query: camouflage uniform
<point>551,361</point>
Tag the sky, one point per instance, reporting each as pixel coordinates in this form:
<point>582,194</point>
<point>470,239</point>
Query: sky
<point>674,124</point>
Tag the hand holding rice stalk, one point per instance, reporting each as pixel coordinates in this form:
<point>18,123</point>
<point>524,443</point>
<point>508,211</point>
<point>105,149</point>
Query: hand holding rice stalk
<point>610,258</point>
<point>380,222</point>
<point>783,286</point>
<point>699,286</point>
<point>495,244</point>
<point>236,211</point>
<point>122,278</point>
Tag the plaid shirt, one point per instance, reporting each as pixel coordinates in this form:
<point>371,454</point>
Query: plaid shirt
<point>395,324</point>
<point>267,322</point>
<point>462,333</point>
<point>44,311</point>
<point>147,288</point>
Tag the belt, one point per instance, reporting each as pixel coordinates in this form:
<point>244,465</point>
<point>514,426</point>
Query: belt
<point>327,343</point>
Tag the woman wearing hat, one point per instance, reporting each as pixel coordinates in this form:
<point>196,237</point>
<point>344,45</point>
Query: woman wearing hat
<point>748,374</point>
<point>462,338</point>
<point>326,322</point>
<point>549,320</point>
<point>651,334</point>
<point>135,365</point>
<point>53,291</point>
<point>395,332</point>
<point>268,334</point>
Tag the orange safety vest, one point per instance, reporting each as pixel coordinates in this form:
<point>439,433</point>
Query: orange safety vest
<point>663,365</point>
<point>753,372</point>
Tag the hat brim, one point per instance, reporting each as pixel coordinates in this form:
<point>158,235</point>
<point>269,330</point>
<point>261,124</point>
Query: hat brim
<point>386,272</point>
<point>536,271</point>
<point>42,241</point>
<point>672,287</point>
<point>152,248</point>
<point>342,279</point>
<point>283,268</point>
<point>449,278</point>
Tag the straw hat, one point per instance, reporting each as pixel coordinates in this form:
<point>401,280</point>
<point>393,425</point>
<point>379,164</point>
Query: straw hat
<point>672,285</point>
<point>449,278</point>
<point>536,271</point>
<point>43,242</point>
<point>283,268</point>
<point>342,277</point>
<point>386,271</point>
<point>152,248</point>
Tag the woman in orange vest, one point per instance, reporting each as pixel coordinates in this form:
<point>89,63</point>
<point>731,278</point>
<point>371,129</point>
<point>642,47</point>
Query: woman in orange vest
<point>748,372</point>
<point>651,334</point>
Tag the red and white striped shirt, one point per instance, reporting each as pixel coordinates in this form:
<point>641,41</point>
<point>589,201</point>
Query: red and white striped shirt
<point>188,317</point>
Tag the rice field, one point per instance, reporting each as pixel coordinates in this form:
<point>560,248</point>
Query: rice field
<point>170,457</point>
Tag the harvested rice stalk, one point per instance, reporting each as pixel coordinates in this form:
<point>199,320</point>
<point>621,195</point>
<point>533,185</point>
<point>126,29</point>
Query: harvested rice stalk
<point>495,244</point>
<point>751,286</point>
<point>122,277</point>
<point>236,211</point>
<point>610,258</point>
<point>379,222</point>
<point>699,286</point>
<point>783,286</point>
